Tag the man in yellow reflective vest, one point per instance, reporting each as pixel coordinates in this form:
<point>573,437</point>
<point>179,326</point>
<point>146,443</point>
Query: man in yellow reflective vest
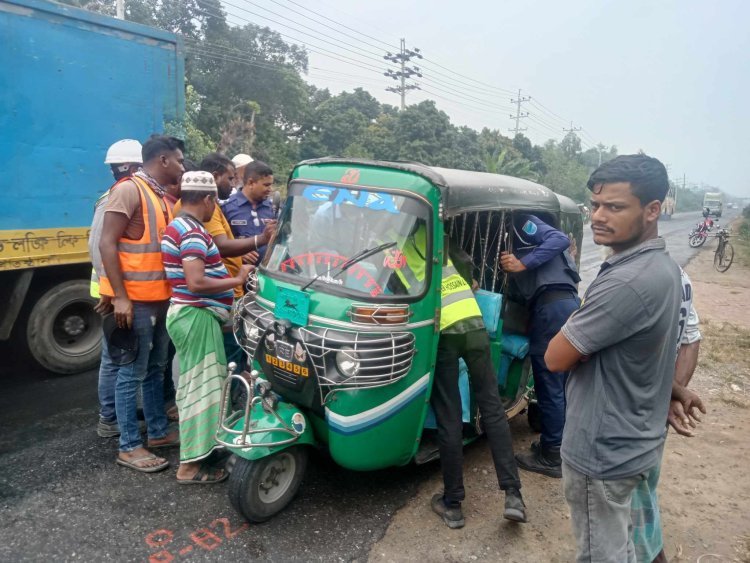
<point>124,158</point>
<point>463,335</point>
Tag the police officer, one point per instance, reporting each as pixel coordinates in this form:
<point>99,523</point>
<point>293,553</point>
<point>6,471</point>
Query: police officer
<point>463,335</point>
<point>545,276</point>
<point>250,211</point>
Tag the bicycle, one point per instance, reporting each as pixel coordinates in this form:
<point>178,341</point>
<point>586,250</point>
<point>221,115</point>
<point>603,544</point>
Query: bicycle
<point>724,254</point>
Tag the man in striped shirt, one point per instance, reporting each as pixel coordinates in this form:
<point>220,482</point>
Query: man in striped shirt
<point>202,296</point>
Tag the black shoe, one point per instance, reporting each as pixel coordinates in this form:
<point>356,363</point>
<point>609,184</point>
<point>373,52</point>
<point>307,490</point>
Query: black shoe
<point>515,509</point>
<point>453,517</point>
<point>541,460</point>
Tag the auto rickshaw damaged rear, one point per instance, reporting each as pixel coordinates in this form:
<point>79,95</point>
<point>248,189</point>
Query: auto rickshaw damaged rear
<point>342,337</point>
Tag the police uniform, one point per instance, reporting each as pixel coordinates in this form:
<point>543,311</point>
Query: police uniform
<point>247,220</point>
<point>462,335</point>
<point>549,286</point>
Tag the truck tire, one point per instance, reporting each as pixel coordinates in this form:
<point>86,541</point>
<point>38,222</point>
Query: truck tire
<point>63,332</point>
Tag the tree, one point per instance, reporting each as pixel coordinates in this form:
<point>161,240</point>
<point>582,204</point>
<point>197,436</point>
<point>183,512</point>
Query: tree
<point>197,143</point>
<point>571,145</point>
<point>510,162</point>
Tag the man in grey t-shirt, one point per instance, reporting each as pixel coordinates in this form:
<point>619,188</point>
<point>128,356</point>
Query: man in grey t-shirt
<point>620,348</point>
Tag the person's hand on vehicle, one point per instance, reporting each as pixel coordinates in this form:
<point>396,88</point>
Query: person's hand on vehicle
<point>474,285</point>
<point>245,270</point>
<point>268,231</point>
<point>104,306</point>
<point>123,311</point>
<point>251,257</point>
<point>510,263</point>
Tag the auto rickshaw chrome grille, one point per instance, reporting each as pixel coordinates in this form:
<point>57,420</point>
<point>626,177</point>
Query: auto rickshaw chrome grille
<point>384,358</point>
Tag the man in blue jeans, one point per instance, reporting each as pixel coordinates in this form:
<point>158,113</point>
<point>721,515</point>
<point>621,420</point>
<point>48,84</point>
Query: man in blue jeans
<point>137,214</point>
<point>124,159</point>
<point>545,276</point>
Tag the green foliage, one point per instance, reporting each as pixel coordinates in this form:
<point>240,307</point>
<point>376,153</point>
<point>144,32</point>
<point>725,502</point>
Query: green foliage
<point>688,200</point>
<point>197,143</point>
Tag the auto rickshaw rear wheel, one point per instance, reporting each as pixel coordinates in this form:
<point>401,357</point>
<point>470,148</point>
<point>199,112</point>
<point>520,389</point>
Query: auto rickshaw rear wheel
<point>259,489</point>
<point>534,416</point>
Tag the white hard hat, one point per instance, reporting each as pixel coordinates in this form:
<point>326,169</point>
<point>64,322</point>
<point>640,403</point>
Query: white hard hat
<point>242,159</point>
<point>126,150</point>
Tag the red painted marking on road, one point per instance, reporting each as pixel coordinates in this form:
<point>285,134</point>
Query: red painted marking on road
<point>206,539</point>
<point>228,532</point>
<point>162,556</point>
<point>186,549</point>
<point>159,538</point>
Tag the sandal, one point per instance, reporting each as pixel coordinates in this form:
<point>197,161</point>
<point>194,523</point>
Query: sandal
<point>209,472</point>
<point>133,464</point>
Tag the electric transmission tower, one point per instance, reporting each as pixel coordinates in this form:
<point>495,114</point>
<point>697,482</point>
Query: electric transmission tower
<point>406,72</point>
<point>519,115</point>
<point>572,129</point>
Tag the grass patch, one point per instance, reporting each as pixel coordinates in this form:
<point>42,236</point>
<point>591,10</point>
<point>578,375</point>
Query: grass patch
<point>725,352</point>
<point>741,243</point>
<point>725,342</point>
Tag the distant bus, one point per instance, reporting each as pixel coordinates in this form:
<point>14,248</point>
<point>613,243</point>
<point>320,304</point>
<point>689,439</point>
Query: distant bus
<point>715,203</point>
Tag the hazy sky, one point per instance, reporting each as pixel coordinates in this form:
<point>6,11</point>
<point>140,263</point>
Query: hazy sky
<point>669,77</point>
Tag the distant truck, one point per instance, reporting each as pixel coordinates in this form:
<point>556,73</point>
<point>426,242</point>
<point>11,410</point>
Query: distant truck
<point>72,83</point>
<point>715,203</point>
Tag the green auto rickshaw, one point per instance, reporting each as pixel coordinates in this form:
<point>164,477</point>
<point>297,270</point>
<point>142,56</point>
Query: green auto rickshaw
<point>341,347</point>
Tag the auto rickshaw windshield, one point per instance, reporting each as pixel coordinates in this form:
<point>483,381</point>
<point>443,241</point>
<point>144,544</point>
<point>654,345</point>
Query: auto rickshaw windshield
<point>354,240</point>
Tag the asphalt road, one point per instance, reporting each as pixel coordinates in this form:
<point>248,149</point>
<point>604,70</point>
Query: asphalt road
<point>63,498</point>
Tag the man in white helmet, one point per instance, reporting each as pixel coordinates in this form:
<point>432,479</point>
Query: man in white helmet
<point>240,161</point>
<point>124,158</point>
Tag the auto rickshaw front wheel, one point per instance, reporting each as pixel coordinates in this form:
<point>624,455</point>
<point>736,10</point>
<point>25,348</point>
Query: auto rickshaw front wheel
<point>261,488</point>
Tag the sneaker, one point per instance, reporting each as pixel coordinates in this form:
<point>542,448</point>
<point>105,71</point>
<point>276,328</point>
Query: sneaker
<point>453,517</point>
<point>541,461</point>
<point>515,509</point>
<point>108,429</point>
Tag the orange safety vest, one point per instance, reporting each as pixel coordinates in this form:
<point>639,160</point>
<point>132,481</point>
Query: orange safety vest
<point>142,268</point>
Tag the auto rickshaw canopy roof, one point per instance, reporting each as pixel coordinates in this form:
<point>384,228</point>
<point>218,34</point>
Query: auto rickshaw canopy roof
<point>464,191</point>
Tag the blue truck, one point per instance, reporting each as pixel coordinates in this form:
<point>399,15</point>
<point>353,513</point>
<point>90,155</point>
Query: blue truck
<point>72,82</point>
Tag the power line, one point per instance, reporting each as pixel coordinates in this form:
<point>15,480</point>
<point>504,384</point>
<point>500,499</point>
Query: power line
<point>372,54</point>
<point>304,42</point>
<point>313,48</point>
<point>336,29</point>
<point>389,45</point>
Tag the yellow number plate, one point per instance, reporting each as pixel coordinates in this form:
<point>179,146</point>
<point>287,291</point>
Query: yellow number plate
<point>287,366</point>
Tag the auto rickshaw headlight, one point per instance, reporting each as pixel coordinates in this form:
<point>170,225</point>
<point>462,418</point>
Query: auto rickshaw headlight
<point>252,331</point>
<point>347,360</point>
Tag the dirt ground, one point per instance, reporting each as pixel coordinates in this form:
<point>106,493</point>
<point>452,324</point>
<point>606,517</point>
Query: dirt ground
<point>704,489</point>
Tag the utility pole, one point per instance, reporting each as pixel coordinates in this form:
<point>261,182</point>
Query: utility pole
<point>599,147</point>
<point>406,72</point>
<point>519,116</point>
<point>573,129</point>
<point>120,9</point>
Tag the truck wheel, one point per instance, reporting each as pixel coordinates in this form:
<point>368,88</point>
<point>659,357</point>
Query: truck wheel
<point>63,331</point>
<point>262,488</point>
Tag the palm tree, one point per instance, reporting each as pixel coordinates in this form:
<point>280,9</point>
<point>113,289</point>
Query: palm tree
<point>507,161</point>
